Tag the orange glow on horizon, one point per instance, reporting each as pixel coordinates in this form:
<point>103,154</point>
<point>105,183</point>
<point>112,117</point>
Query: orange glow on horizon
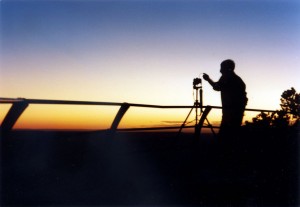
<point>66,117</point>
<point>101,117</point>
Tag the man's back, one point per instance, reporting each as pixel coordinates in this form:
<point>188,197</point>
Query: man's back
<point>233,91</point>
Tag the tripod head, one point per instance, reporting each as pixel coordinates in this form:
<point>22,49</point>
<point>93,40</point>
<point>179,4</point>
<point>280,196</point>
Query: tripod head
<point>197,83</point>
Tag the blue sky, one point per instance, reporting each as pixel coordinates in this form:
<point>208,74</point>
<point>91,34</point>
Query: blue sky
<point>147,51</point>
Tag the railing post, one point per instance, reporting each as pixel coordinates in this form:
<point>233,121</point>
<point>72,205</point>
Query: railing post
<point>13,115</point>
<point>199,126</point>
<point>124,107</point>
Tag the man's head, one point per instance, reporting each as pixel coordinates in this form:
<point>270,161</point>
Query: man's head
<point>227,66</point>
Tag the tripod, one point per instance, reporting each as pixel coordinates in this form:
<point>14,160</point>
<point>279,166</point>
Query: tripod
<point>197,84</point>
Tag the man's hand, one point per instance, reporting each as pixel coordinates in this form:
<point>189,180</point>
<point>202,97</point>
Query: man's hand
<point>205,77</point>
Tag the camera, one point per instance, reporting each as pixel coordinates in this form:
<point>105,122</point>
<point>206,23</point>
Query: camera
<point>197,81</point>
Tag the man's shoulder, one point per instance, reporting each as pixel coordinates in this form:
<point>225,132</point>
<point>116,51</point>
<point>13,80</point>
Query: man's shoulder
<point>237,78</point>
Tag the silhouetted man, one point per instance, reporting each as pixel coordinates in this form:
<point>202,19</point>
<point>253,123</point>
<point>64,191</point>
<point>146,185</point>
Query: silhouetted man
<point>233,96</point>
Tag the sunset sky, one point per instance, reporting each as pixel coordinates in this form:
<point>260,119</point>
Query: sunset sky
<point>146,51</point>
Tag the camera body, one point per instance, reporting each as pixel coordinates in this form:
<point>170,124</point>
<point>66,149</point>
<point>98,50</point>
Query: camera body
<point>197,81</point>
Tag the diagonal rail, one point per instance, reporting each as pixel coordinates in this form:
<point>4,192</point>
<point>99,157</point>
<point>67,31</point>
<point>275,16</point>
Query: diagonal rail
<point>13,115</point>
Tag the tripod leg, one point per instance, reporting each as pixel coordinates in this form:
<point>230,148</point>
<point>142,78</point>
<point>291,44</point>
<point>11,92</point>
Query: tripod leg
<point>185,121</point>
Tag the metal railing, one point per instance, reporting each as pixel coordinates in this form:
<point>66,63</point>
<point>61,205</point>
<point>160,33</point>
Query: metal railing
<point>19,105</point>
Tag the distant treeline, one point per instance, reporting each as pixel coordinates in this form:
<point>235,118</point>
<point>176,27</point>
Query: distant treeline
<point>284,120</point>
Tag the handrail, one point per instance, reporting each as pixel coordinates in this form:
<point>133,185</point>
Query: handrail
<point>70,102</point>
<point>20,104</point>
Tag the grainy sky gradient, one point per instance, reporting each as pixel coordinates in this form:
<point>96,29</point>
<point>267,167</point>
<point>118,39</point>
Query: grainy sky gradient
<point>147,51</point>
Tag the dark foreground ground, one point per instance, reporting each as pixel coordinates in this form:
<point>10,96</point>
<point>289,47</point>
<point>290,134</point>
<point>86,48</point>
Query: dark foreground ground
<point>96,168</point>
